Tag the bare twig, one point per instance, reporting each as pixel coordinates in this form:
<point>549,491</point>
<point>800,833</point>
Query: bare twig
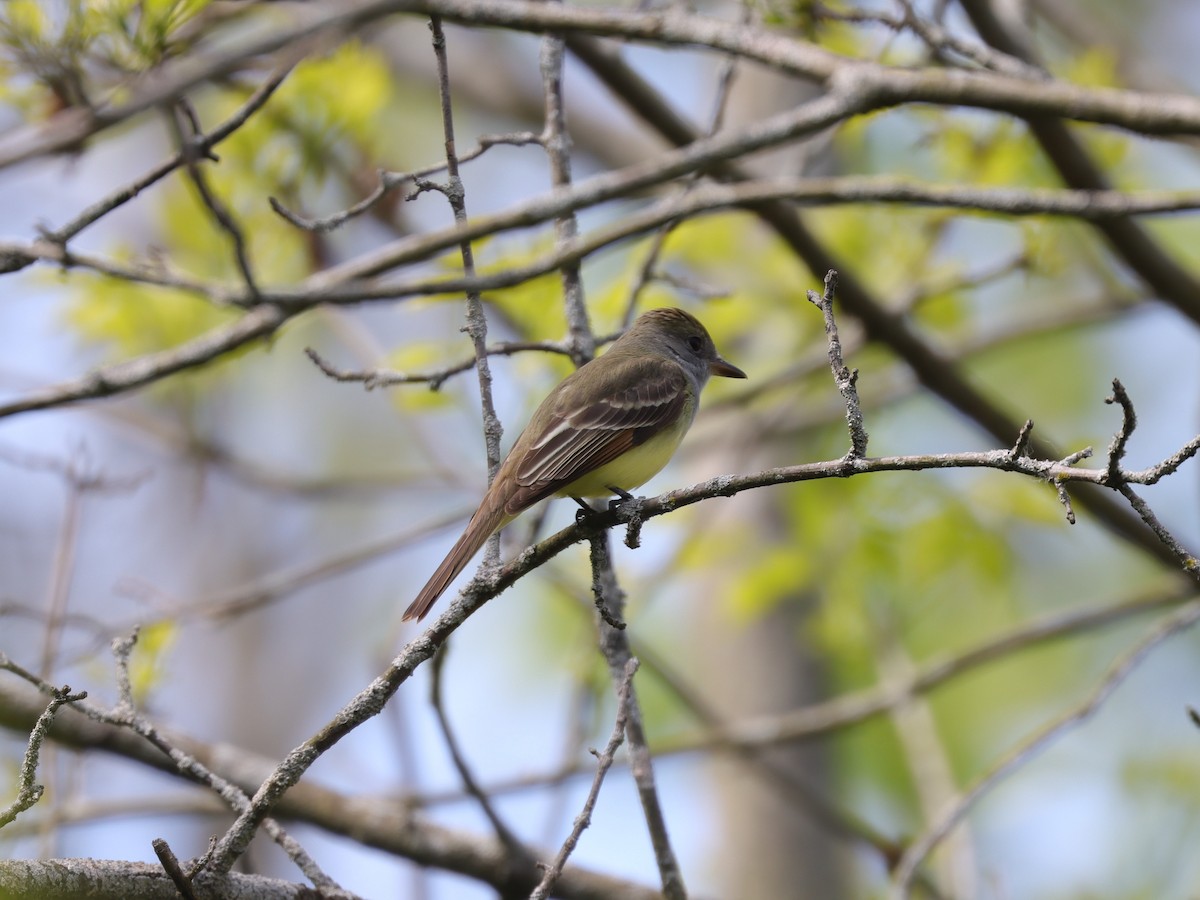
<point>379,378</point>
<point>329,286</point>
<point>1167,467</point>
<point>604,762</point>
<point>376,822</point>
<point>170,864</point>
<point>126,714</point>
<point>389,181</point>
<point>943,44</point>
<point>1022,444</point>
<point>614,642</point>
<point>476,327</point>
<point>1129,239</point>
<point>229,603</point>
<point>186,764</point>
<point>193,151</point>
<point>122,649</point>
<point>124,376</point>
<point>1186,558</point>
<point>62,572</point>
<point>926,757</point>
<point>557,143</point>
<point>844,378</point>
<point>1116,450</point>
<point>29,791</point>
<point>853,708</point>
<point>88,811</point>
<point>601,563</point>
<point>201,145</point>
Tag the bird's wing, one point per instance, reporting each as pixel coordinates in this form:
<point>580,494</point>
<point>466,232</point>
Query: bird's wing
<point>576,440</point>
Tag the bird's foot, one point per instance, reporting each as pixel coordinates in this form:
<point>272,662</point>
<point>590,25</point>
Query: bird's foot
<point>633,527</point>
<point>623,496</point>
<point>586,511</point>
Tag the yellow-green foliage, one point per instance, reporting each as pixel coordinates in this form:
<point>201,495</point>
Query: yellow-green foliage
<point>148,659</point>
<point>138,34</point>
<point>420,358</point>
<point>326,112</point>
<point>282,151</point>
<point>916,554</point>
<point>137,318</point>
<point>60,45</point>
<point>26,23</point>
<point>533,309</point>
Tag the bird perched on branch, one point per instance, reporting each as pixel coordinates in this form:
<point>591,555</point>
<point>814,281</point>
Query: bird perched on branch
<point>607,428</point>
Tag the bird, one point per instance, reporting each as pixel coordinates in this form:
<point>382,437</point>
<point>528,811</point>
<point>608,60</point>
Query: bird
<point>607,428</point>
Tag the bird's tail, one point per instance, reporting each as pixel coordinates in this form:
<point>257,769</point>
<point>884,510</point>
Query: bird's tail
<point>487,519</point>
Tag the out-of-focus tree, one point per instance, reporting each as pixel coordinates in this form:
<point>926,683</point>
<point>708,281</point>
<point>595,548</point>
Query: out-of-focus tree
<point>908,668</point>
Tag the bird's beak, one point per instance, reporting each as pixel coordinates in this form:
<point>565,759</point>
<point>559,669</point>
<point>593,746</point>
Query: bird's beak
<point>727,369</point>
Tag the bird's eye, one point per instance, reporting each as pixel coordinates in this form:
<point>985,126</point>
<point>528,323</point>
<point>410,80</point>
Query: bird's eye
<point>696,343</point>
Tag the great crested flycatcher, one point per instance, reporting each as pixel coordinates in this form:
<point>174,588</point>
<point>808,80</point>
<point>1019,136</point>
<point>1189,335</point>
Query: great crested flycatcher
<point>607,428</point>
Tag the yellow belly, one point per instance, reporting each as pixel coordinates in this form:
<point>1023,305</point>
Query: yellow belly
<point>633,468</point>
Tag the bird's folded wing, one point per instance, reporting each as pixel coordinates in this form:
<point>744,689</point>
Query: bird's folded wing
<point>580,438</point>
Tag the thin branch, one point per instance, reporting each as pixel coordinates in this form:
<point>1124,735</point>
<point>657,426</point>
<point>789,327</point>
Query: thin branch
<point>62,570</point>
<point>648,269</point>
<point>125,376</point>
<point>614,643</point>
<point>604,762</point>
<point>377,822</point>
<point>700,152</point>
<point>1149,113</point>
<point>1022,444</point>
<point>476,320</point>
<point>943,44</point>
<point>382,378</point>
<point>1186,558</point>
<point>125,713</point>
<point>75,471</point>
<point>186,764</point>
<point>601,565</point>
<point>842,376</point>
<point>1167,467</point>
<point>339,285</point>
<point>201,145</point>
<point>170,863</point>
<point>188,146</point>
<point>194,806</point>
<point>329,286</point>
<point>925,756</point>
<point>1160,113</point>
<point>29,792</point>
<point>274,587</point>
<point>1116,450</point>
<point>557,143</point>
<point>854,708</point>
<point>389,181</point>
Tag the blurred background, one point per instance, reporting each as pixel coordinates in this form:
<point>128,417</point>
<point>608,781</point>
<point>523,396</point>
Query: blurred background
<point>266,525</point>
